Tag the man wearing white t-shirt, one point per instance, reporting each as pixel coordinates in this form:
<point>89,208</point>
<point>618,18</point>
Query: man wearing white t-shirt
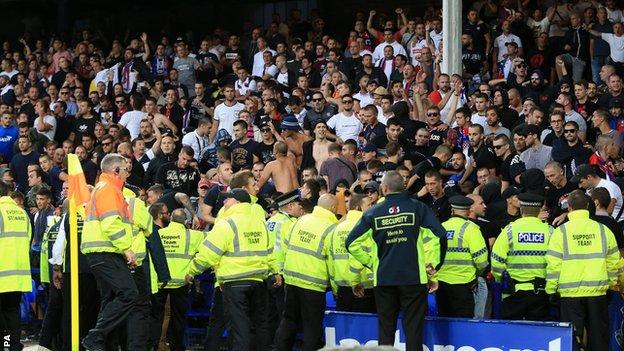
<point>132,119</point>
<point>378,53</point>
<point>346,124</point>
<point>481,105</point>
<point>588,179</point>
<point>500,44</point>
<point>198,139</point>
<point>615,41</point>
<point>258,59</point>
<point>226,113</point>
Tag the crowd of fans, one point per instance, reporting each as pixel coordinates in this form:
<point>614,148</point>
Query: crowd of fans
<point>540,95</point>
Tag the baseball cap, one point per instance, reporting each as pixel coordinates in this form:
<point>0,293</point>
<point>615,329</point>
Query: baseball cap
<point>239,194</point>
<point>616,102</point>
<point>380,91</point>
<point>203,183</point>
<point>583,171</point>
<point>369,147</point>
<point>371,186</point>
<point>211,173</point>
<point>512,43</point>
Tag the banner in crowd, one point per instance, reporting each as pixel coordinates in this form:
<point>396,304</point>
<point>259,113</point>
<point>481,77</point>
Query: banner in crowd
<point>355,329</point>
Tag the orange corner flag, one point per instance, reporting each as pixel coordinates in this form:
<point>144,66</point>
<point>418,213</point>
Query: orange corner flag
<point>78,190</point>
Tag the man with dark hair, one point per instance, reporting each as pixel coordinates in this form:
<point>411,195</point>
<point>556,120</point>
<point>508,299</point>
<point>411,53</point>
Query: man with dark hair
<point>602,200</point>
<point>569,151</point>
<point>179,175</point>
<point>433,195</point>
<point>337,168</point>
<point>245,152</point>
<point>479,153</point>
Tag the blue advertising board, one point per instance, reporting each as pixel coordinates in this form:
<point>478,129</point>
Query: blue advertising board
<point>353,329</point>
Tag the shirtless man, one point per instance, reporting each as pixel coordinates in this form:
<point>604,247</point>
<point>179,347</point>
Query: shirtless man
<point>160,120</point>
<point>319,147</point>
<point>281,170</point>
<point>292,136</point>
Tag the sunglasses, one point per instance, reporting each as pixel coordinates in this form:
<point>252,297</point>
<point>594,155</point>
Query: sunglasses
<point>317,100</point>
<point>432,114</point>
<point>266,130</point>
<point>497,147</point>
<point>347,101</point>
<point>569,131</point>
<point>64,92</point>
<point>119,102</point>
<point>107,143</point>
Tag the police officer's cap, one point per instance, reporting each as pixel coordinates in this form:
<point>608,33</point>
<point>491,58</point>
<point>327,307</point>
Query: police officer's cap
<point>530,200</point>
<point>460,202</point>
<point>287,198</point>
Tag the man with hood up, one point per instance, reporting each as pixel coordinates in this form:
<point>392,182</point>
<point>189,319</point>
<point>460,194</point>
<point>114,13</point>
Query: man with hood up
<point>539,91</point>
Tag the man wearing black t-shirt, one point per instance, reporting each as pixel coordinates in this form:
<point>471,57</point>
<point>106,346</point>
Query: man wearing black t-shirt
<point>512,166</point>
<point>212,202</point>
<point>245,152</point>
<point>557,192</point>
<point>480,155</point>
<point>84,123</point>
<point>268,140</point>
<point>178,175</point>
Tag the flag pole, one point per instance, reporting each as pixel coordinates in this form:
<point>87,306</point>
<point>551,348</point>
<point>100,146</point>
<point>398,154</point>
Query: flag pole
<point>78,196</point>
<point>73,263</point>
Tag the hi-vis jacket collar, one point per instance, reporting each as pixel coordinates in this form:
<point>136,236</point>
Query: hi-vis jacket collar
<point>7,200</point>
<point>118,183</point>
<point>323,213</point>
<point>353,215</point>
<point>578,214</point>
<point>242,207</point>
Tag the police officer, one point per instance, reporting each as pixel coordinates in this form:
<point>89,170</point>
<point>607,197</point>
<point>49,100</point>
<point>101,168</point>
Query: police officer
<point>107,240</point>
<point>289,208</point>
<point>15,235</point>
<point>351,282</point>
<point>240,252</point>
<point>466,256</point>
<point>181,245</point>
<point>306,275</point>
<point>397,226</point>
<point>581,265</point>
<point>520,250</point>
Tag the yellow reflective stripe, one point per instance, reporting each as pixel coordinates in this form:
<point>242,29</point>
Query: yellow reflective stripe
<point>177,281</point>
<point>584,283</point>
<point>306,251</point>
<point>459,262</point>
<point>554,275</point>
<point>342,283</point>
<point>91,244</point>
<point>118,235</point>
<point>15,272</point>
<point>612,250</point>
<point>509,231</point>
<point>213,248</point>
<point>179,255</point>
<point>554,253</point>
<point>526,265</point>
<point>247,253</point>
<point>187,245</point>
<point>354,270</point>
<point>460,236</point>
<point>250,274</point>
<point>340,256</point>
<point>199,266</point>
<point>305,277</point>
<point>13,234</point>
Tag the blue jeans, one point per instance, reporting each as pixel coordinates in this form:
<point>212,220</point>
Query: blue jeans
<point>483,306</point>
<point>596,64</point>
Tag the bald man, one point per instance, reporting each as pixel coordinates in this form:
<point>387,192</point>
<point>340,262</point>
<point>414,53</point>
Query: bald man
<point>306,251</point>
